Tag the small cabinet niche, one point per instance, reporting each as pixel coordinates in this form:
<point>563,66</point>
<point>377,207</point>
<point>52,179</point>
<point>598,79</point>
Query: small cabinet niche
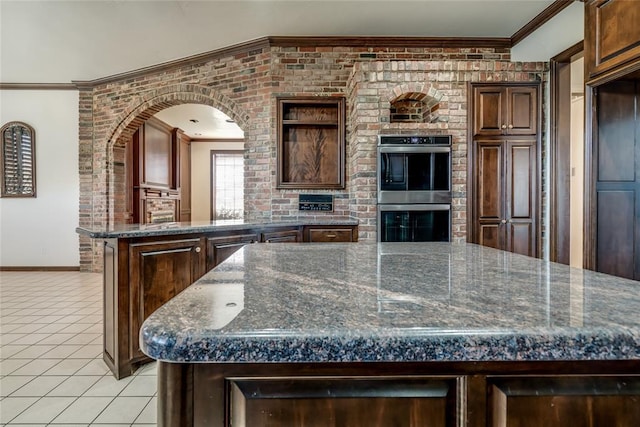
<point>311,148</point>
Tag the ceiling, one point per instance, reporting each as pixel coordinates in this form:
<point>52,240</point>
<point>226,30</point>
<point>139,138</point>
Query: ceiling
<point>55,41</point>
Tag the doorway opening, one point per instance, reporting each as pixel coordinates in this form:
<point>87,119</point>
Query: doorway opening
<point>567,157</point>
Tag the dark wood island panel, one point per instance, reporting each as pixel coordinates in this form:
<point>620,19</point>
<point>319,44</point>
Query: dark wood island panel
<point>473,394</point>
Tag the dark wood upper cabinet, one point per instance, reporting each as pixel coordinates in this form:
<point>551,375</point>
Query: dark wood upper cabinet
<point>311,142</point>
<point>501,110</point>
<point>612,37</point>
<point>156,154</point>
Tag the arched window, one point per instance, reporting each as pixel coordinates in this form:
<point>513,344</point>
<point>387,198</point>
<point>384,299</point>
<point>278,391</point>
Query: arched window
<point>18,160</point>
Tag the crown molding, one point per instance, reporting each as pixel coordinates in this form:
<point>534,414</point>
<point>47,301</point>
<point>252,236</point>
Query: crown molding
<point>409,42</point>
<point>38,86</point>
<point>542,18</point>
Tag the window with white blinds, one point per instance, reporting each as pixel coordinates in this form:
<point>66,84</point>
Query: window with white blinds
<point>227,185</point>
<point>18,160</point>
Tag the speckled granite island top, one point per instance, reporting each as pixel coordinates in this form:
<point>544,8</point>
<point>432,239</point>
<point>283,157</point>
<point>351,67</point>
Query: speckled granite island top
<point>395,302</point>
<point>194,227</point>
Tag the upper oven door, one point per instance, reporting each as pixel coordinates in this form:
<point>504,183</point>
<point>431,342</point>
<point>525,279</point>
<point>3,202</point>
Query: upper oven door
<point>414,174</point>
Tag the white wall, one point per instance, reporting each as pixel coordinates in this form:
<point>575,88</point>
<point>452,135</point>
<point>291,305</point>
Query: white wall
<point>41,231</point>
<point>201,176</point>
<point>558,34</point>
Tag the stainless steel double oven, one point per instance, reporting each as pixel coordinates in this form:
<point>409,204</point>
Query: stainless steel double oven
<point>414,188</point>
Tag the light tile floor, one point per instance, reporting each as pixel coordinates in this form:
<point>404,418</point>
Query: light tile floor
<point>51,368</point>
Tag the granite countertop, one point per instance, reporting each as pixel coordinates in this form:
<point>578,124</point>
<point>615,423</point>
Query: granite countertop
<point>395,302</point>
<point>174,228</point>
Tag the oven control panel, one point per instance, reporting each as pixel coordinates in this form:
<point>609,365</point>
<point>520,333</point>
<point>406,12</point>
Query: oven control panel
<point>415,140</point>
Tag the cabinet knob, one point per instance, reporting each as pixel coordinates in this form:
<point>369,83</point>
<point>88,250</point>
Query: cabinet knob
<point>504,126</point>
<point>198,249</point>
<point>510,126</point>
<point>267,241</point>
<point>504,221</point>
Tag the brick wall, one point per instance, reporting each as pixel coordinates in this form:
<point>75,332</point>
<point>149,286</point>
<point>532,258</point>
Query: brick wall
<point>244,85</point>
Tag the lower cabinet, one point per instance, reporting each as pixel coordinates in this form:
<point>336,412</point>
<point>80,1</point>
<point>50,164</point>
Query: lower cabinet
<point>562,401</point>
<point>342,402</point>
<point>403,394</point>
<point>220,248</point>
<point>141,274</point>
<point>158,271</point>
<point>292,235</point>
<point>318,234</point>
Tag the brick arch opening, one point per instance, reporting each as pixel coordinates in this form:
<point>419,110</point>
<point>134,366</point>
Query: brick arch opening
<point>132,118</point>
<point>415,107</point>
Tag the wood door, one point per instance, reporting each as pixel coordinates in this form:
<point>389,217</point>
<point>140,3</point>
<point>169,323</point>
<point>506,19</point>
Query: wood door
<point>521,195</point>
<point>506,194</point>
<point>158,272</point>
<point>521,112</point>
<point>221,248</point>
<point>562,401</point>
<point>489,102</point>
<point>505,110</point>
<point>282,236</point>
<point>354,402</point>
<point>616,157</point>
<point>489,196</point>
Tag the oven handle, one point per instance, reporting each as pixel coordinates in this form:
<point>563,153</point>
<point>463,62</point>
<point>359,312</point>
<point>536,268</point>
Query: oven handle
<point>415,149</point>
<point>420,207</point>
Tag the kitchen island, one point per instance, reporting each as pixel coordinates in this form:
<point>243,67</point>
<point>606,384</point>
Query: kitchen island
<point>145,265</point>
<point>391,334</point>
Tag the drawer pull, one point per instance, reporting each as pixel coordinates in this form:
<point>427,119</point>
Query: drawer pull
<point>331,236</point>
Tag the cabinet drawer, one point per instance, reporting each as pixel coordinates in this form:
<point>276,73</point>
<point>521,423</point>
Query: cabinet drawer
<point>330,235</point>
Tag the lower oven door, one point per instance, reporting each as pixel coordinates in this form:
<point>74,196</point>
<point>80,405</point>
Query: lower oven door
<point>414,223</point>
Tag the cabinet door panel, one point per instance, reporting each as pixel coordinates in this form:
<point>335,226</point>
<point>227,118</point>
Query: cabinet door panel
<point>612,35</point>
<point>522,181</point>
<point>330,235</point>
<point>490,236</point>
<point>522,116</point>
<point>615,233</point>
<point>565,401</point>
<point>281,236</point>
<point>221,248</point>
<point>342,402</point>
<point>490,196</point>
<point>521,188</point>
<point>488,111</point>
<point>159,271</point>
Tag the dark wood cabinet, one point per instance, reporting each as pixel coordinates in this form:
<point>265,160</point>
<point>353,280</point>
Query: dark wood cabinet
<point>612,37</point>
<point>311,142</point>
<point>561,400</point>
<point>220,248</point>
<point>410,394</point>
<point>505,168</point>
<point>323,234</point>
<point>143,273</point>
<point>506,191</point>
<point>505,110</point>
<point>158,272</point>
<point>282,235</point>
<point>338,401</point>
<point>140,276</point>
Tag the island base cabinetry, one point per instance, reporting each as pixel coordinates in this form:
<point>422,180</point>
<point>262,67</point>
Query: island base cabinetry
<point>143,273</point>
<point>470,394</point>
